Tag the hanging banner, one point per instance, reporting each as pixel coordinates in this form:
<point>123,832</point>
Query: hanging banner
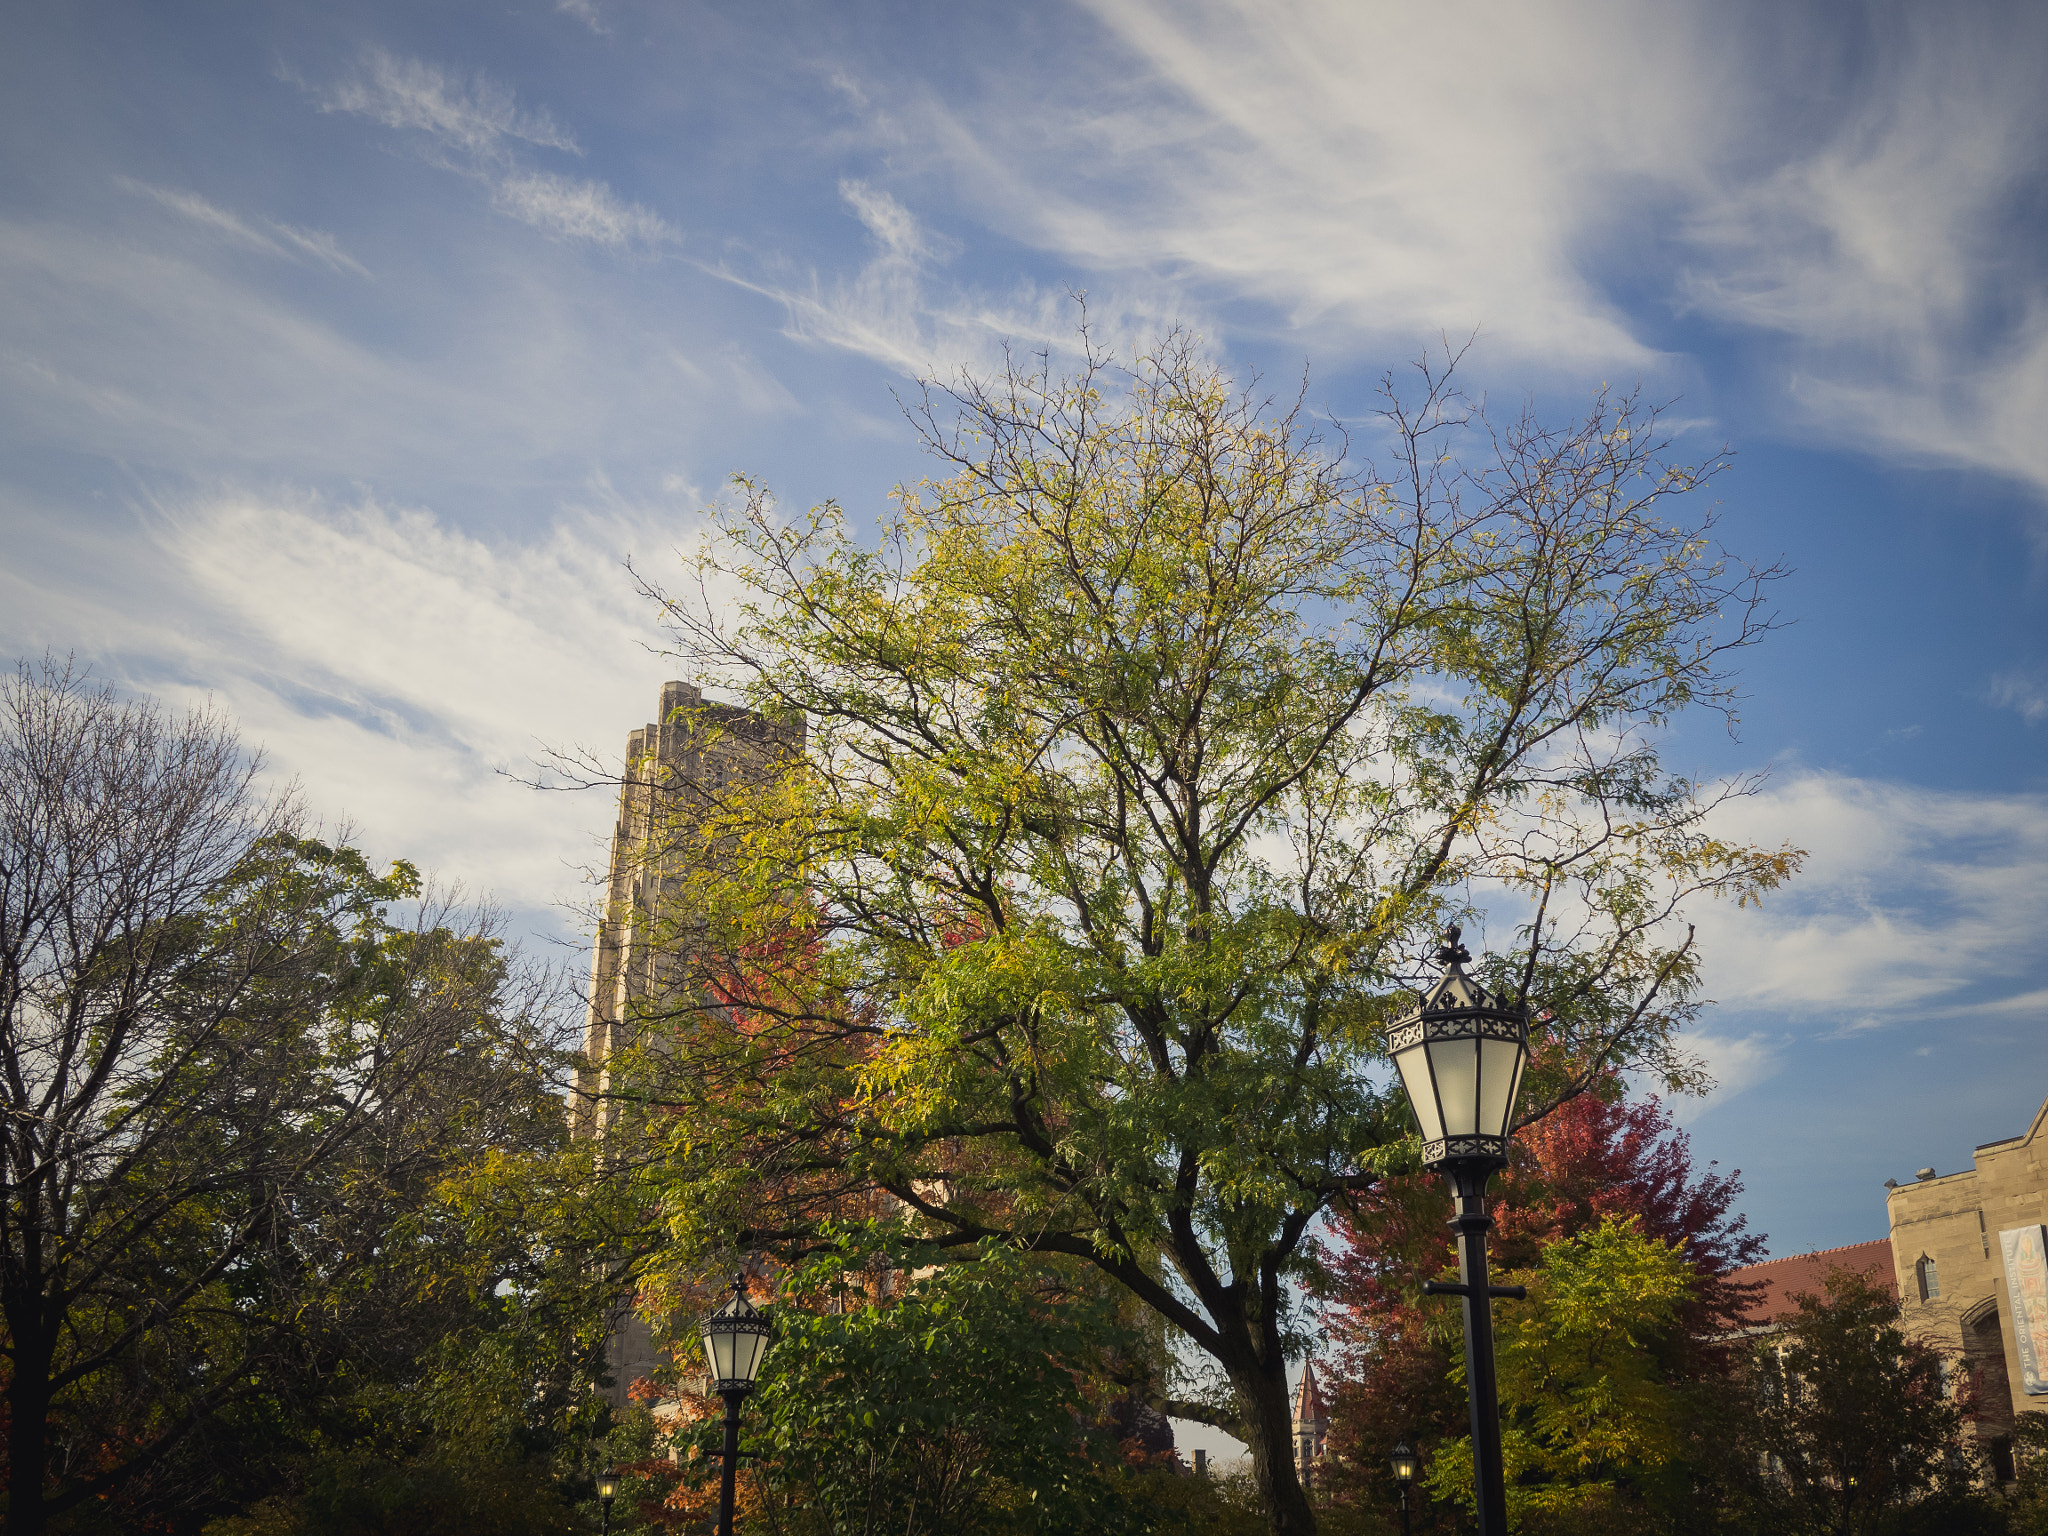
<point>2026,1286</point>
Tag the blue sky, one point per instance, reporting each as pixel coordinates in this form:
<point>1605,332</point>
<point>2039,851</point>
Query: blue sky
<point>347,349</point>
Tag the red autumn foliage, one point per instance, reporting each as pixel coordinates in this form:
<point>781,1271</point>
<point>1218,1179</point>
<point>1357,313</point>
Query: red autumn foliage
<point>1598,1157</point>
<point>1601,1154</point>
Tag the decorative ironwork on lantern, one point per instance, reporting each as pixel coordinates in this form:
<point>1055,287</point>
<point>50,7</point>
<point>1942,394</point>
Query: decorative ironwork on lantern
<point>736,1341</point>
<point>1404,1462</point>
<point>1461,1055</point>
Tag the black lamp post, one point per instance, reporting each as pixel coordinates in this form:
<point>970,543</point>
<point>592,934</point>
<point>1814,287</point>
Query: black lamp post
<point>1404,1463</point>
<point>735,1342</point>
<point>1461,1056</point>
<point>607,1490</point>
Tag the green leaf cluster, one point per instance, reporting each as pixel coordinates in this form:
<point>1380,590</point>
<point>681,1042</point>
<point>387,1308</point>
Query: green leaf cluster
<point>960,1401</point>
<point>1589,1402</point>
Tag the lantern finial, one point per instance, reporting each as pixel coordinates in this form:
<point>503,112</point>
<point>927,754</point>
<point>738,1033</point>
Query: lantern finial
<point>1453,953</point>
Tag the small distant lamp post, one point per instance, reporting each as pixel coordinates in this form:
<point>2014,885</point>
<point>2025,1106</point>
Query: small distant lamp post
<point>735,1342</point>
<point>607,1490</point>
<point>1404,1463</point>
<point>1461,1056</point>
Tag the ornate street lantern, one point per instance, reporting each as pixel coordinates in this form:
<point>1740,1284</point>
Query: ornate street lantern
<point>1461,1055</point>
<point>1405,1464</point>
<point>736,1337</point>
<point>607,1490</point>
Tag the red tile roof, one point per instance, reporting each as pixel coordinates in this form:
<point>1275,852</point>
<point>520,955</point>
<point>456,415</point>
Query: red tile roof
<point>1782,1279</point>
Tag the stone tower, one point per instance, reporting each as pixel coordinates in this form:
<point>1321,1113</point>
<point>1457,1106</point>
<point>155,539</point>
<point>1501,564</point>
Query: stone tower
<point>1311,1425</point>
<point>693,752</point>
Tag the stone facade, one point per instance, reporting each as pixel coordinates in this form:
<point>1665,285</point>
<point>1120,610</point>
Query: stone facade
<point>1945,1250</point>
<point>692,753</point>
<point>1946,1263</point>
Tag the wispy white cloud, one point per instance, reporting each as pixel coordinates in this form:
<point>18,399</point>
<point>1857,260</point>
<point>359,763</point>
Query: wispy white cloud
<point>1380,168</point>
<point>585,11</point>
<point>393,664</point>
<point>1917,908</point>
<point>471,112</point>
<point>1393,171</point>
<point>476,125</point>
<point>572,208</point>
<point>269,236</point>
<point>2024,692</point>
<point>181,357</point>
<point>732,372</point>
<point>895,228</point>
<point>1914,903</point>
<point>2020,1005</point>
<point>1734,1063</point>
<point>152,353</point>
<point>1885,253</point>
<point>900,308</point>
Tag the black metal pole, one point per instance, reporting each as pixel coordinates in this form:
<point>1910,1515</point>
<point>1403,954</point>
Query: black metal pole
<point>1404,1510</point>
<point>732,1460</point>
<point>607,1503</point>
<point>1471,1224</point>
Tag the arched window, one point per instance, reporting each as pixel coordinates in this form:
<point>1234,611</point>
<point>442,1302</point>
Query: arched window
<point>1930,1283</point>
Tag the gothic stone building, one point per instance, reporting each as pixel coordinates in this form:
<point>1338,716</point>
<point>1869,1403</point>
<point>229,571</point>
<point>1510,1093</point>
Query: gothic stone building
<point>1968,1257</point>
<point>1971,1256</point>
<point>692,751</point>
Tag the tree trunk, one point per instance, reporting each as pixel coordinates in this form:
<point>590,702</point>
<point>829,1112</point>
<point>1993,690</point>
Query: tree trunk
<point>1261,1387</point>
<point>28,1434</point>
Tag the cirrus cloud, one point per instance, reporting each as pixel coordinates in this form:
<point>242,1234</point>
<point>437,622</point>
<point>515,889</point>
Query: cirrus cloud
<point>470,111</point>
<point>475,126</point>
<point>269,236</point>
<point>577,209</point>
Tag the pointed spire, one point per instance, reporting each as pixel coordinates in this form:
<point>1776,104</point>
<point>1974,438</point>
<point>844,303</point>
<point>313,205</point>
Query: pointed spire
<point>1308,1398</point>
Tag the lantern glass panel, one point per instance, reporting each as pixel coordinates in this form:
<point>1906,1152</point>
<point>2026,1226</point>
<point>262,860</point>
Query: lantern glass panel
<point>1414,1065</point>
<point>607,1487</point>
<point>1500,1071</point>
<point>1455,1066</point>
<point>748,1351</point>
<point>718,1349</point>
<point>735,1340</point>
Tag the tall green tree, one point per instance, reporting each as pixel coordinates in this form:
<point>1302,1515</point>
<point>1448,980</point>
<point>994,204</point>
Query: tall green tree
<point>1858,1419</point>
<point>1149,750</point>
<point>231,1081</point>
